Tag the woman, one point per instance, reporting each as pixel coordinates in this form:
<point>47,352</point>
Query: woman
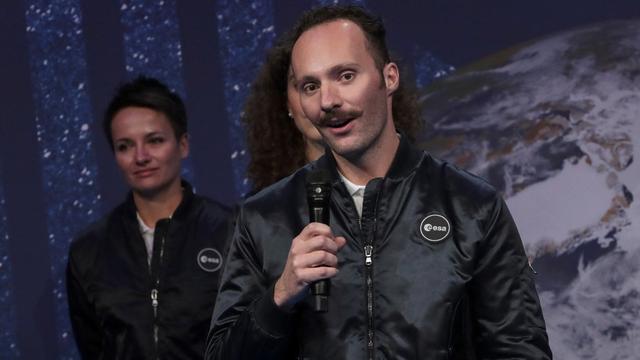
<point>280,138</point>
<point>142,281</point>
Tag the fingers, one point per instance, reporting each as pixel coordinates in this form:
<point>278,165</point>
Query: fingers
<point>315,259</point>
<point>315,236</point>
<point>312,257</point>
<point>310,275</point>
<point>315,243</point>
<point>315,228</point>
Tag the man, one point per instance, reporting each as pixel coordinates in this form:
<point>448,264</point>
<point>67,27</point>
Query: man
<point>143,280</point>
<point>424,259</point>
<point>279,137</point>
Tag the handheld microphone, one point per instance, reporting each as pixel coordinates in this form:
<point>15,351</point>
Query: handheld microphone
<point>318,186</point>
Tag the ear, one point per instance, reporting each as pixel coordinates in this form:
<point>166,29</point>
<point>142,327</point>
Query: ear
<point>391,77</point>
<point>183,143</point>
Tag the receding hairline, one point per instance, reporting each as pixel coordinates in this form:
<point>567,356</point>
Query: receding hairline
<point>376,54</point>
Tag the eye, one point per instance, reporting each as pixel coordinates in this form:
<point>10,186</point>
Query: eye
<point>156,140</point>
<point>121,147</point>
<point>348,76</point>
<point>309,88</point>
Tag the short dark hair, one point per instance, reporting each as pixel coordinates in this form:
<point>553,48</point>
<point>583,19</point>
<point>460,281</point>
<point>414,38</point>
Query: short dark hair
<point>147,92</point>
<point>372,27</point>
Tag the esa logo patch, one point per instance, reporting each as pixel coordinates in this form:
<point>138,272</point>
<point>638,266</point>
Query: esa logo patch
<point>209,260</point>
<point>435,227</point>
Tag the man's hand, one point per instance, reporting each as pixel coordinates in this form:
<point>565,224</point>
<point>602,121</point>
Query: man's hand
<point>312,257</point>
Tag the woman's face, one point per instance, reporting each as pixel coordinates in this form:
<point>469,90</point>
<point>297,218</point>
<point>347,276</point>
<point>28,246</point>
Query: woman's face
<point>302,122</point>
<point>146,150</point>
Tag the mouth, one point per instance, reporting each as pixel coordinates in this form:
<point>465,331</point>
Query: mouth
<point>144,173</point>
<point>338,123</point>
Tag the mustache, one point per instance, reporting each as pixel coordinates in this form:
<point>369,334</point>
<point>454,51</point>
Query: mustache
<point>337,115</point>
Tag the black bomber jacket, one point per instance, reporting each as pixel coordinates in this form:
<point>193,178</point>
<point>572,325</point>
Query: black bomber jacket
<point>435,269</point>
<point>123,308</point>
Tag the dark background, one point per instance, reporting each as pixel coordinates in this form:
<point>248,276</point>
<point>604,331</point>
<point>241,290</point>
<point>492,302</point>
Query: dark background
<point>37,216</point>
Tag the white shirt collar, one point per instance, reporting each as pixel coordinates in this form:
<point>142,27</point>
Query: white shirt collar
<point>147,236</point>
<point>143,227</point>
<point>352,188</point>
<point>356,192</point>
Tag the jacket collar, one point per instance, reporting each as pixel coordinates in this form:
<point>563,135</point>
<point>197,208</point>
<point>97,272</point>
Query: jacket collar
<point>406,159</point>
<point>181,210</point>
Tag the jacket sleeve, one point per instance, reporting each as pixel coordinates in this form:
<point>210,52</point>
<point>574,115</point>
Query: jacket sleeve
<point>246,323</point>
<point>85,324</point>
<point>506,311</point>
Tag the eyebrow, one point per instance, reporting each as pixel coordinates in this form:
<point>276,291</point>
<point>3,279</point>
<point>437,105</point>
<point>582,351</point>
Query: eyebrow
<point>332,70</point>
<point>153,133</point>
<point>146,136</point>
<point>122,141</point>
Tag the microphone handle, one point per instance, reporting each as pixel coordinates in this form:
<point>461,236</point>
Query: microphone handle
<point>320,215</point>
<point>320,289</point>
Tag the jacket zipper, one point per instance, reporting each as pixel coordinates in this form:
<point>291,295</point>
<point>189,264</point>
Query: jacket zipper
<point>154,304</point>
<point>371,229</point>
<point>155,299</point>
<point>368,262</point>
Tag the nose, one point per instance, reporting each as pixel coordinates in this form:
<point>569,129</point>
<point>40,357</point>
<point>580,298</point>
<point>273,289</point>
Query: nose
<point>142,155</point>
<point>329,98</point>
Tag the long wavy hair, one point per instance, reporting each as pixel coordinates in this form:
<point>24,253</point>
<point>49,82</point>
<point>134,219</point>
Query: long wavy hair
<point>276,147</point>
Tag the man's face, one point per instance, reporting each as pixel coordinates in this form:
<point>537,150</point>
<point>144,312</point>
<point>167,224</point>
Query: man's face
<point>146,150</point>
<point>341,90</point>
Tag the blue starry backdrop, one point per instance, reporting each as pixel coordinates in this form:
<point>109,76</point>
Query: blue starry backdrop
<point>499,81</point>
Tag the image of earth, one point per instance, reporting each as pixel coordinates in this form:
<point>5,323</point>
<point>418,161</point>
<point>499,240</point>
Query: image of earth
<point>555,125</point>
